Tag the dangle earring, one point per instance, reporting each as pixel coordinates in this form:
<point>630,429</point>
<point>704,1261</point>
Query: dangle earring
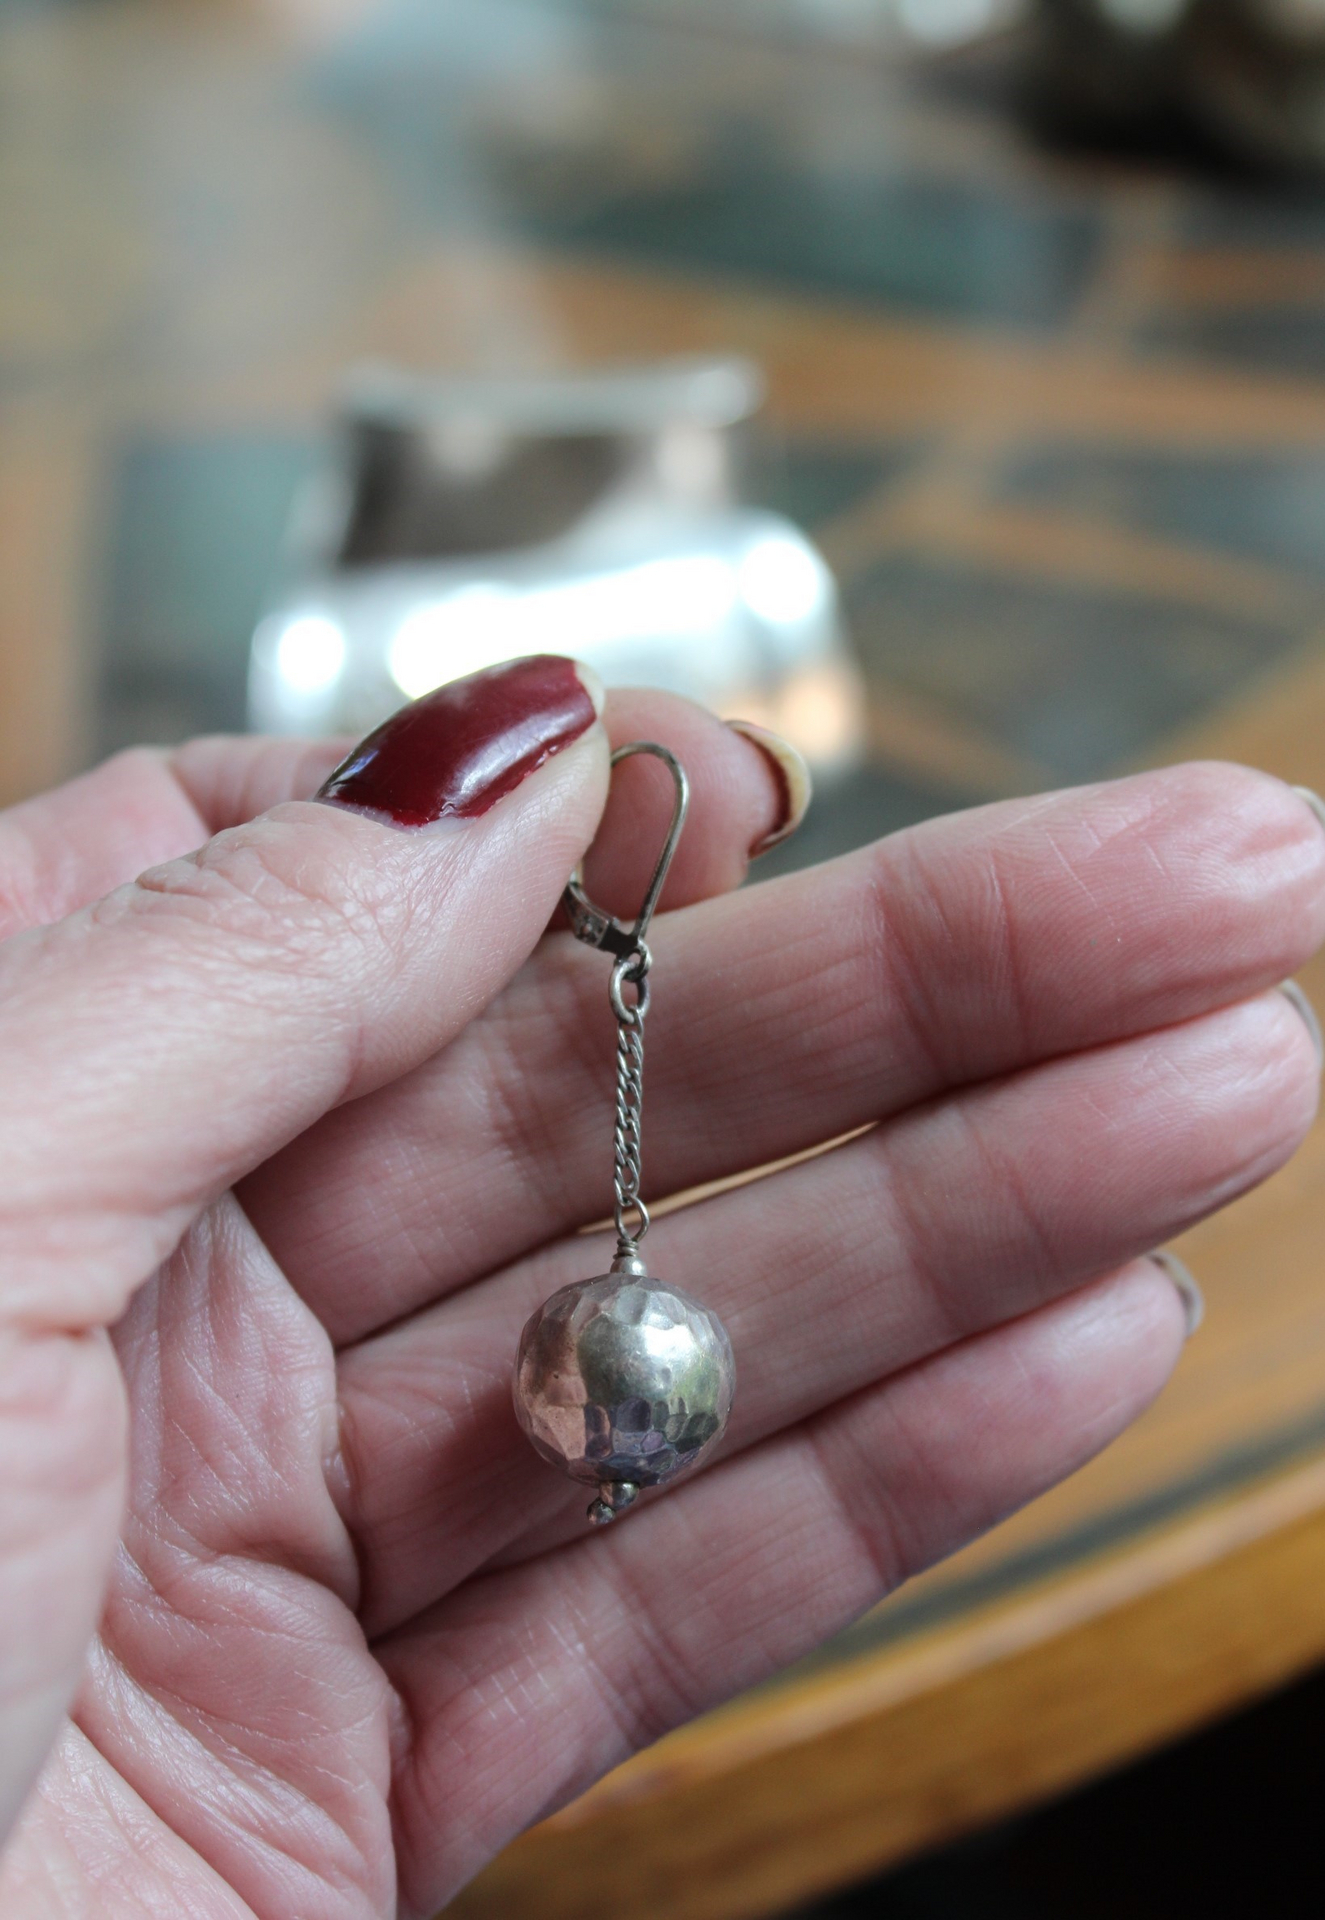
<point>624,1381</point>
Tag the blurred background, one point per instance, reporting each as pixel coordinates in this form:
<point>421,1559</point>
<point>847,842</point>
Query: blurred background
<point>941,381</point>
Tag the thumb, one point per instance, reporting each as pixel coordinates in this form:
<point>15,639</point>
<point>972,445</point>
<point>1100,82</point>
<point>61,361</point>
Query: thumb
<point>159,1044</point>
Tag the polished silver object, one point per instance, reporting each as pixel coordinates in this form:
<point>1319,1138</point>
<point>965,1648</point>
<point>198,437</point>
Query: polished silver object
<point>624,1381</point>
<point>459,522</point>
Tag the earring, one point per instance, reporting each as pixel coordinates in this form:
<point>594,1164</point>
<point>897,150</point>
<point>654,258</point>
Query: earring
<point>624,1381</point>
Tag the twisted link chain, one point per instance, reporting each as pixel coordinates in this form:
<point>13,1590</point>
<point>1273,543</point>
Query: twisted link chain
<point>632,968</point>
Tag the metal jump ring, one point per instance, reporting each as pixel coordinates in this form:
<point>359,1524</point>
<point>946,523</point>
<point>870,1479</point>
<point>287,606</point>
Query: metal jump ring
<point>627,969</point>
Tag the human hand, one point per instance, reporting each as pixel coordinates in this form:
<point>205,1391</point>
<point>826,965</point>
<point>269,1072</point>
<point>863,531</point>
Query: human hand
<point>311,1120</point>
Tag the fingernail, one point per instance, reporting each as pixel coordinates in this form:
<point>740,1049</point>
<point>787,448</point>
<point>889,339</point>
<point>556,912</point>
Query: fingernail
<point>1295,997</point>
<point>795,789</point>
<point>1313,800</point>
<point>457,751</point>
<point>1193,1300</point>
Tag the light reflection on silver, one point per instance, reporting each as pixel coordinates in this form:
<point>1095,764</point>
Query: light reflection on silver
<point>464,522</point>
<point>623,1382</point>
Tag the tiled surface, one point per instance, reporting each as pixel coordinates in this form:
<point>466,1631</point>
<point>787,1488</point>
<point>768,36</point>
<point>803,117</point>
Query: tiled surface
<point>992,650</point>
<point>1265,505</point>
<point>1285,339</point>
<point>941,247</point>
<point>210,213</point>
<point>191,546</point>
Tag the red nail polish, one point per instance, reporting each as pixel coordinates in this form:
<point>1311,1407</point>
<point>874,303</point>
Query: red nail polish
<point>455,752</point>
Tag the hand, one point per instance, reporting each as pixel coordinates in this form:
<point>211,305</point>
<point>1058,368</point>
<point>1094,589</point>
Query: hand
<point>292,1621</point>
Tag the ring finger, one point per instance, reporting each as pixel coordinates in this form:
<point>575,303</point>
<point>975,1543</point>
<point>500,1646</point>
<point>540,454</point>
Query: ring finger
<point>831,1274</point>
<point>791,1014</point>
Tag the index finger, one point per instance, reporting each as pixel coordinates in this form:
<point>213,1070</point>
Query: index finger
<point>792,1013</point>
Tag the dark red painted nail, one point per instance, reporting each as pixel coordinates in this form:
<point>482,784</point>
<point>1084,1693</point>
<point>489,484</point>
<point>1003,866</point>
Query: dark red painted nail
<point>455,752</point>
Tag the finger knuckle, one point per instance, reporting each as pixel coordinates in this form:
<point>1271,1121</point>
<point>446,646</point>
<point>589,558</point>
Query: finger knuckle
<point>267,905</point>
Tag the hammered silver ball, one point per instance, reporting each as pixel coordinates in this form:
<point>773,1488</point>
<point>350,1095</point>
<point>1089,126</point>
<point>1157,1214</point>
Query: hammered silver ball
<point>623,1382</point>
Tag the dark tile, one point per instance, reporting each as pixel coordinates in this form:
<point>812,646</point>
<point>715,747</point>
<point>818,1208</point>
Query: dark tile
<point>1276,216</point>
<point>1075,681</point>
<point>193,533</point>
<point>814,481</point>
<point>939,246</point>
<point>1266,506</point>
<point>1279,339</point>
<point>425,90</point>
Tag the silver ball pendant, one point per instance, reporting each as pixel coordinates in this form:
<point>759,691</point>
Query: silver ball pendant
<point>623,1382</point>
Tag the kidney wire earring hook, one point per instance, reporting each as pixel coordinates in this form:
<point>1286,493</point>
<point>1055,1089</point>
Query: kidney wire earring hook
<point>623,1381</point>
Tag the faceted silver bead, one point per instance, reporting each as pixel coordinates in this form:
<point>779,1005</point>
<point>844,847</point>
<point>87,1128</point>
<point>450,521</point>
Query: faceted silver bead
<point>623,1382</point>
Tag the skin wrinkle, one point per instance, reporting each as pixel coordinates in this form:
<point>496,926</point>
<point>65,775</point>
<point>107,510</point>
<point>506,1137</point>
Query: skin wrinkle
<point>233,1752</point>
<point>268,948</point>
<point>896,975</point>
<point>879,1543</point>
<point>576,1650</point>
<point>717,1117</point>
<point>900,1222</point>
<point>1007,1177</point>
<point>309,941</point>
<point>632,1718</point>
<point>902,1553</point>
<point>173,1711</point>
<point>903,978</point>
<point>478,1696</point>
<point>521,1658</point>
<point>772,1609</point>
<point>353,1452</point>
<point>665,1691</point>
<point>1073,870</point>
<point>534,1592</point>
<point>250,1796</point>
<point>546,1277</point>
<point>134,1826</point>
<point>214,1242</point>
<point>519,1129</point>
<point>1007,958</point>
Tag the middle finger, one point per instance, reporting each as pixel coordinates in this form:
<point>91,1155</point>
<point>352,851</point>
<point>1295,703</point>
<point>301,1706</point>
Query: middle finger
<point>784,1017</point>
<point>842,1270</point>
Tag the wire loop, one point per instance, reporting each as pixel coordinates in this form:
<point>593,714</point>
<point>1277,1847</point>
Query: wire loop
<point>594,925</point>
<point>601,929</point>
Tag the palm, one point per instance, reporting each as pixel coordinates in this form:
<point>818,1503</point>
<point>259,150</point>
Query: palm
<point>354,1635</point>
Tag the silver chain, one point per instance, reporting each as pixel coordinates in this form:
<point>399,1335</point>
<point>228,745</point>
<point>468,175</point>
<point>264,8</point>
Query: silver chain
<point>632,968</point>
